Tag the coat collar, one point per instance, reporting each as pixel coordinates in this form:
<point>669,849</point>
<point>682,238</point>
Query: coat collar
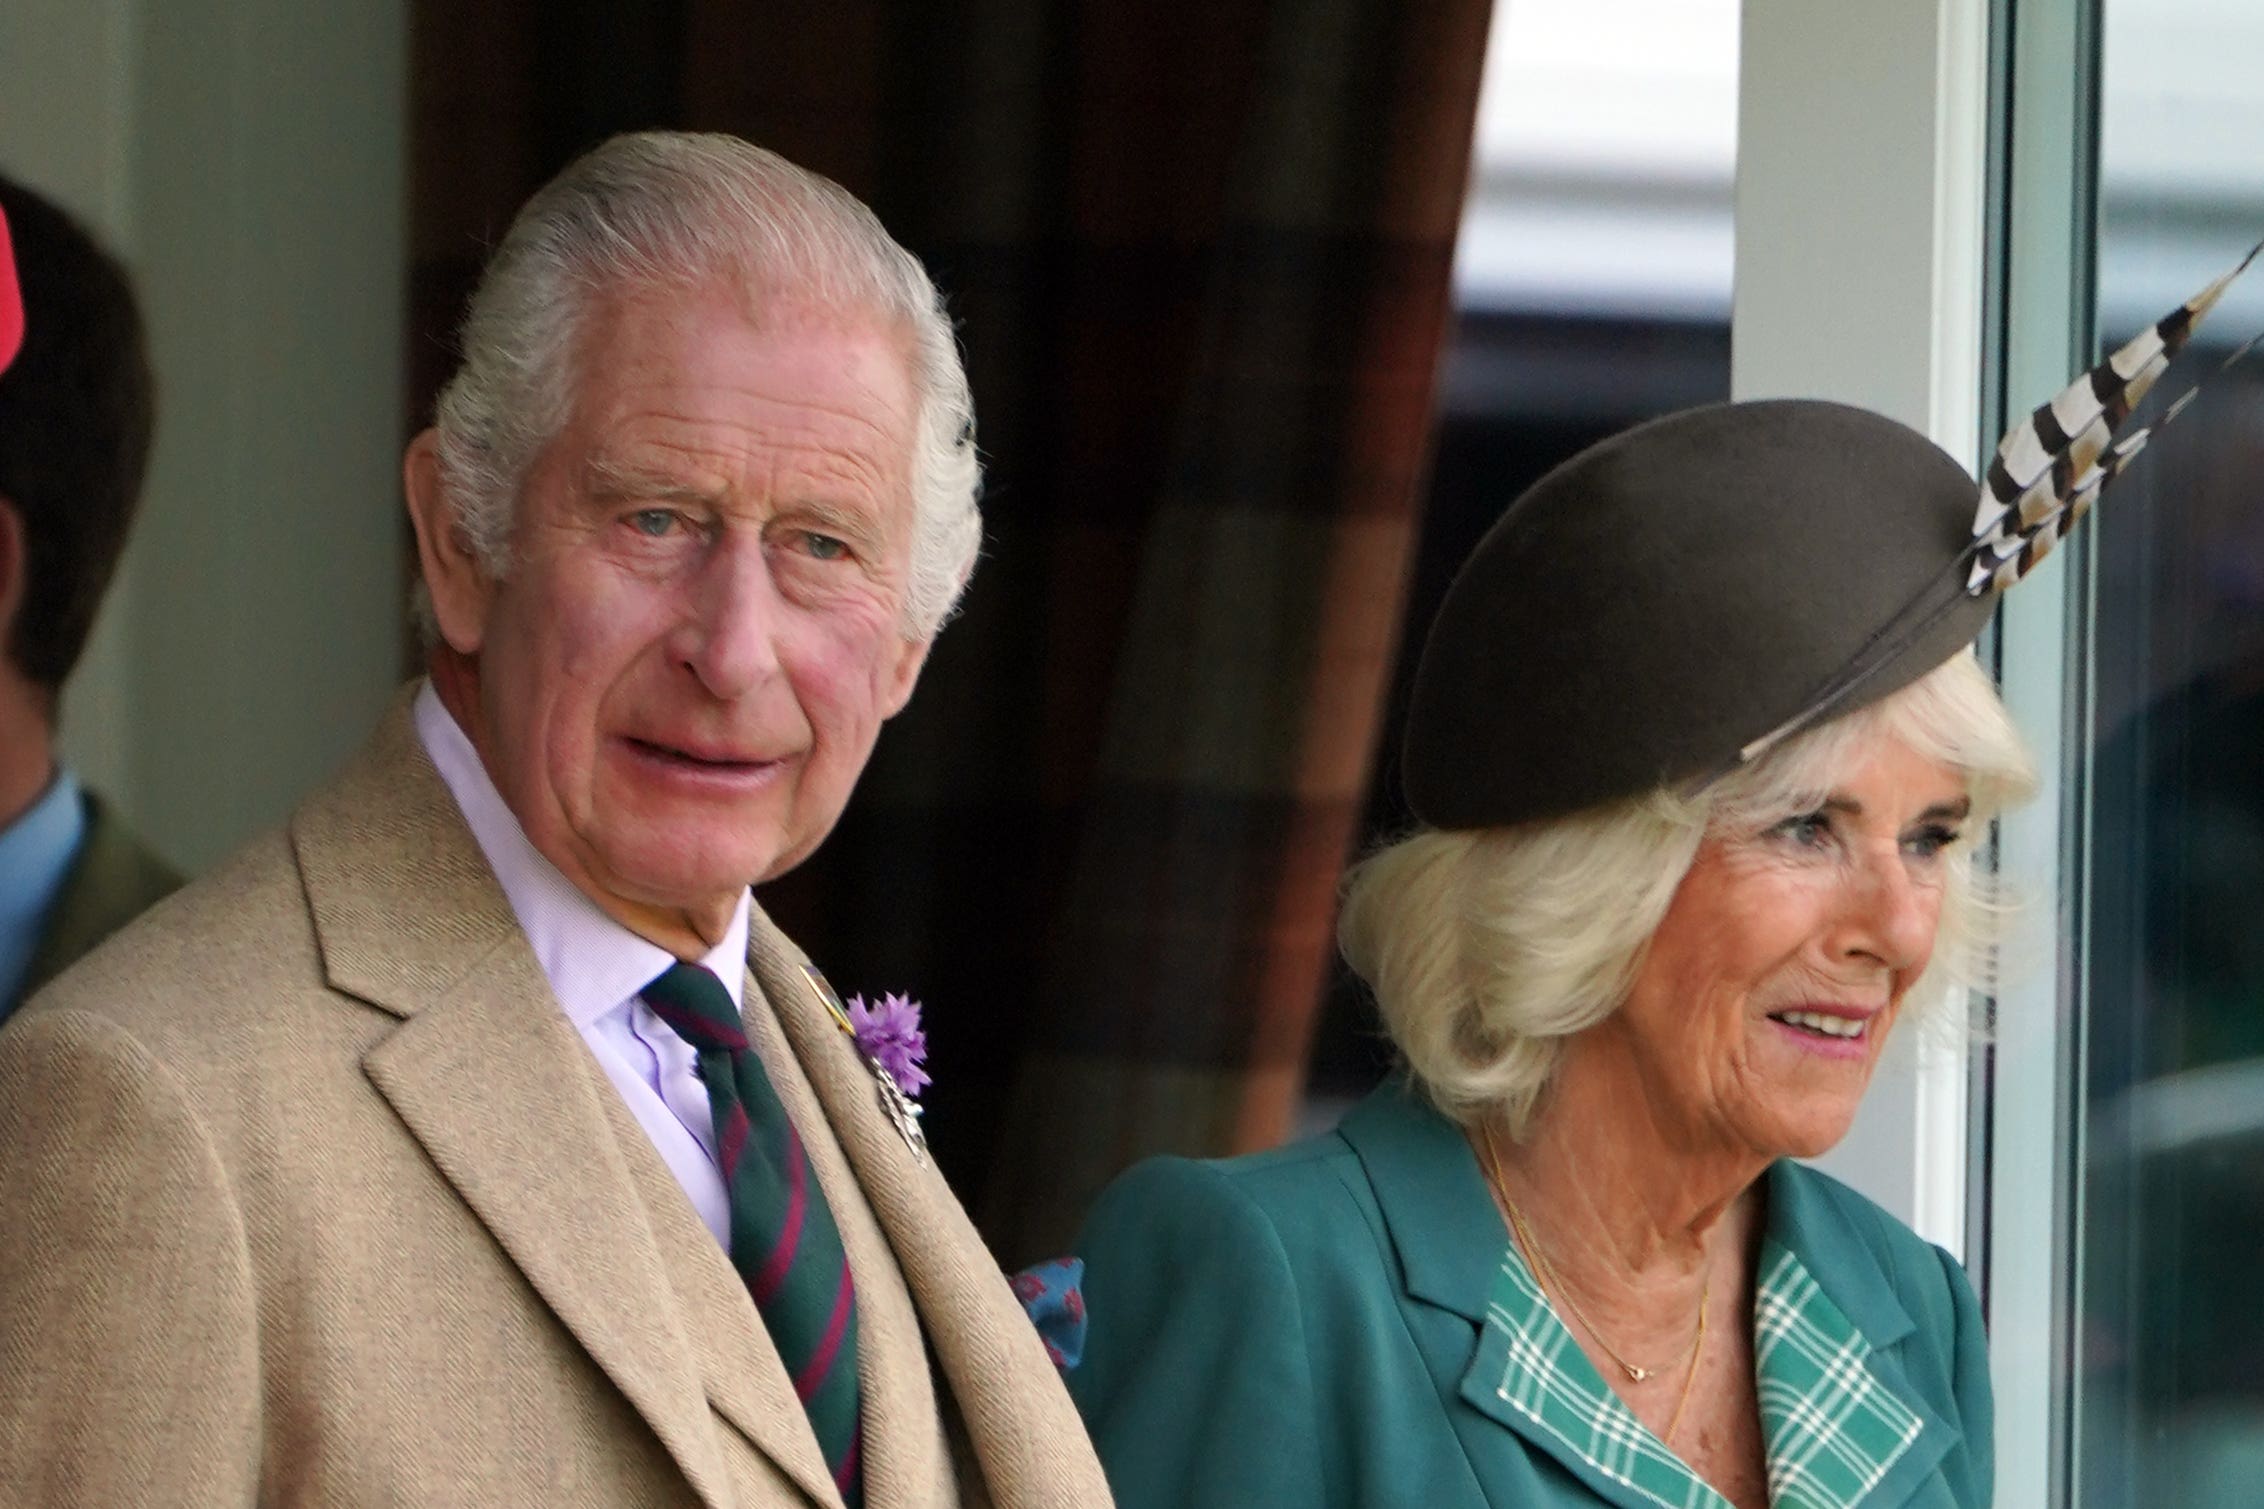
<point>112,880</point>
<point>488,1075</point>
<point>1444,1228</point>
<point>1448,1239</point>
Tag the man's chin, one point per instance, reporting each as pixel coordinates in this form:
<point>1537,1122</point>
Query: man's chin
<point>690,888</point>
<point>692,878</point>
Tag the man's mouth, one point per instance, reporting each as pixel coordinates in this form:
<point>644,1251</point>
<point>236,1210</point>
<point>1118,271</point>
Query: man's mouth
<point>718,760</point>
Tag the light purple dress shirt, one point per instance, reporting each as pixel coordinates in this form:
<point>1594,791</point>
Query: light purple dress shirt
<point>596,968</point>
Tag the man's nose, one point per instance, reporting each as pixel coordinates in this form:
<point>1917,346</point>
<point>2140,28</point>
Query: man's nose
<point>729,638</point>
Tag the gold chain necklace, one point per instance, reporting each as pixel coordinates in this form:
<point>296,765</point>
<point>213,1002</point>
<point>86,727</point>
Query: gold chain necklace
<point>1690,1375</point>
<point>1553,1287</point>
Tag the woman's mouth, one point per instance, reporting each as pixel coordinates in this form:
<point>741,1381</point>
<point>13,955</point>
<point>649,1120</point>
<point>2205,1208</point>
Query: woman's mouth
<point>1822,1023</point>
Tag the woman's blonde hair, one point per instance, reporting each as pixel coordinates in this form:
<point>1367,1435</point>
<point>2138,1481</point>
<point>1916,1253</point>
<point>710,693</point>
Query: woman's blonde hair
<point>1486,948</point>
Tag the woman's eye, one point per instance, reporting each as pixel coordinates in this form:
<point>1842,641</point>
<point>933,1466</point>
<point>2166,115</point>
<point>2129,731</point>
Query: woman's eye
<point>1810,830</point>
<point>1932,840</point>
<point>825,547</point>
<point>653,522</point>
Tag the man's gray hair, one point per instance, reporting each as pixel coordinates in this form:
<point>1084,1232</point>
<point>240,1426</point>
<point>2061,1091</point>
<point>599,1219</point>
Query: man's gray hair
<point>662,208</point>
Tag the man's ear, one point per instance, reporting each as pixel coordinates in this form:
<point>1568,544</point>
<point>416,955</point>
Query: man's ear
<point>904,674</point>
<point>458,584</point>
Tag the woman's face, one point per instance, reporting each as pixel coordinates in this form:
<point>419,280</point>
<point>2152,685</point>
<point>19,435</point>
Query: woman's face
<point>1767,992</point>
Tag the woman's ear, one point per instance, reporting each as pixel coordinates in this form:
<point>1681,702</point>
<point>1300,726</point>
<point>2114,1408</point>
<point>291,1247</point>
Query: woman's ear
<point>454,578</point>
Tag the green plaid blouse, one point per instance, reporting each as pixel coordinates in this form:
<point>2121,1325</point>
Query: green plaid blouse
<point>1831,1429</point>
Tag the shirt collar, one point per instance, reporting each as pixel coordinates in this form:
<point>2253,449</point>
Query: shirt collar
<point>36,853</point>
<point>594,964</point>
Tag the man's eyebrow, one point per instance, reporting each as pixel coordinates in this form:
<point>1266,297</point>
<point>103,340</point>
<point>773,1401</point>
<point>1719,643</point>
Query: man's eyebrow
<point>609,478</point>
<point>833,518</point>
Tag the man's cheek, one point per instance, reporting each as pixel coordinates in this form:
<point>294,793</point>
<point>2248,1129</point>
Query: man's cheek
<point>591,643</point>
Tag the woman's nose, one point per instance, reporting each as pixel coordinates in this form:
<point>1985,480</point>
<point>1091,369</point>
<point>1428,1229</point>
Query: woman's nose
<point>1890,914</point>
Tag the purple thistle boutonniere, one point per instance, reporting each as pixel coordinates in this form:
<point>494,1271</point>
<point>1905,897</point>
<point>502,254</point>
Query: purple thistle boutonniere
<point>889,1033</point>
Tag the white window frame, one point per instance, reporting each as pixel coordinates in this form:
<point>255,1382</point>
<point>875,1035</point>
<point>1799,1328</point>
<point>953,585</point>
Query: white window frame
<point>1886,173</point>
<point>1861,168</point>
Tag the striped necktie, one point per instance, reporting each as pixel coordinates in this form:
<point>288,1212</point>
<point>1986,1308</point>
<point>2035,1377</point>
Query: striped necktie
<point>783,1240</point>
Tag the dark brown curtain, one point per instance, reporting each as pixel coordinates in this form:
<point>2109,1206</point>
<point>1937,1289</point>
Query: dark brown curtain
<point>1201,256</point>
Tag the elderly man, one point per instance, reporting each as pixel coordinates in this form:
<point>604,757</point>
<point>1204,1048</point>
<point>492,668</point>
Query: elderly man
<point>474,1140</point>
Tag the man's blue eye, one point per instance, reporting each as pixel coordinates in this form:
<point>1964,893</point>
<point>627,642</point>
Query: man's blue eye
<point>825,547</point>
<point>654,522</point>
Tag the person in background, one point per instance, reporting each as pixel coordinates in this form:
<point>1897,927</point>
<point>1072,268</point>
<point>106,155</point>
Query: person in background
<point>76,409</point>
<point>476,1139</point>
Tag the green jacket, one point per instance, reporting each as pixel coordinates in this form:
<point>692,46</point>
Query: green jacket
<point>112,881</point>
<point>1341,1324</point>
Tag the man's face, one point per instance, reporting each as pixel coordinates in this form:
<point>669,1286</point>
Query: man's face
<point>700,633</point>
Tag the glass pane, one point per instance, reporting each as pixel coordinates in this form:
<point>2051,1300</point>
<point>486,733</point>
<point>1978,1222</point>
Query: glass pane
<point>2169,1354</point>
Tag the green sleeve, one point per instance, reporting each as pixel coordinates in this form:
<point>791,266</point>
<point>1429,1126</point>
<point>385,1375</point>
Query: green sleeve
<point>1195,1382</point>
<point>1969,1379</point>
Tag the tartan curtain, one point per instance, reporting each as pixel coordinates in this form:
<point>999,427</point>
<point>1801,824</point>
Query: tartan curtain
<point>1200,255</point>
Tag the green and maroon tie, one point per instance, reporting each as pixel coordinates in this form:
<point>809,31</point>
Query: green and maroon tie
<point>783,1240</point>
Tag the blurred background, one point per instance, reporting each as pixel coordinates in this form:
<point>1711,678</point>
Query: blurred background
<point>1270,307</point>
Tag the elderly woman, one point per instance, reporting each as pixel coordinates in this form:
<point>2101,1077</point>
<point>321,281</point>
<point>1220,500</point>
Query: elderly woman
<point>1702,755</point>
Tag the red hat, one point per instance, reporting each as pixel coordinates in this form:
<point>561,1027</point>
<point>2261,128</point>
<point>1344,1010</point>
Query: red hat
<point>11,301</point>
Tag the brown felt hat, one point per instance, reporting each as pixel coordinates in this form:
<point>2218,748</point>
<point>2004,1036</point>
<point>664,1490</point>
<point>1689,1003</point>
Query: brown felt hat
<point>1675,600</point>
<point>1665,601</point>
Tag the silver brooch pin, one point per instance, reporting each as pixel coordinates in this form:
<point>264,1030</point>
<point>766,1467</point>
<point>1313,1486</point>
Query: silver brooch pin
<point>880,1035</point>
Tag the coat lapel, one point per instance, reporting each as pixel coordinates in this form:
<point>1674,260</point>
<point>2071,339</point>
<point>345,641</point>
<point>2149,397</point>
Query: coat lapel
<point>113,881</point>
<point>1451,1250</point>
<point>905,1464</point>
<point>740,1370</point>
<point>1855,1297</point>
<point>1020,1423</point>
<point>1448,1240</point>
<point>492,1090</point>
<point>490,1078</point>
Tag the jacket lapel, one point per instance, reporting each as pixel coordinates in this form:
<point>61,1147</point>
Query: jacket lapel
<point>1855,1298</point>
<point>904,1460</point>
<point>1451,1250</point>
<point>1022,1427</point>
<point>491,1079</point>
<point>492,1090</point>
<point>1450,1245</point>
<point>740,1370</point>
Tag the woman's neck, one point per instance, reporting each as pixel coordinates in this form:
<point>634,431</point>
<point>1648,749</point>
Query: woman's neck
<point>1626,1212</point>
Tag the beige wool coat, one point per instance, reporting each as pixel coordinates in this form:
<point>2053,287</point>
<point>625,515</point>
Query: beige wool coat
<point>311,1195</point>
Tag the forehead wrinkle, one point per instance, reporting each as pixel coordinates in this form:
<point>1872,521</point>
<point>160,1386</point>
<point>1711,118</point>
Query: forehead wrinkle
<point>724,398</point>
<point>718,459</point>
